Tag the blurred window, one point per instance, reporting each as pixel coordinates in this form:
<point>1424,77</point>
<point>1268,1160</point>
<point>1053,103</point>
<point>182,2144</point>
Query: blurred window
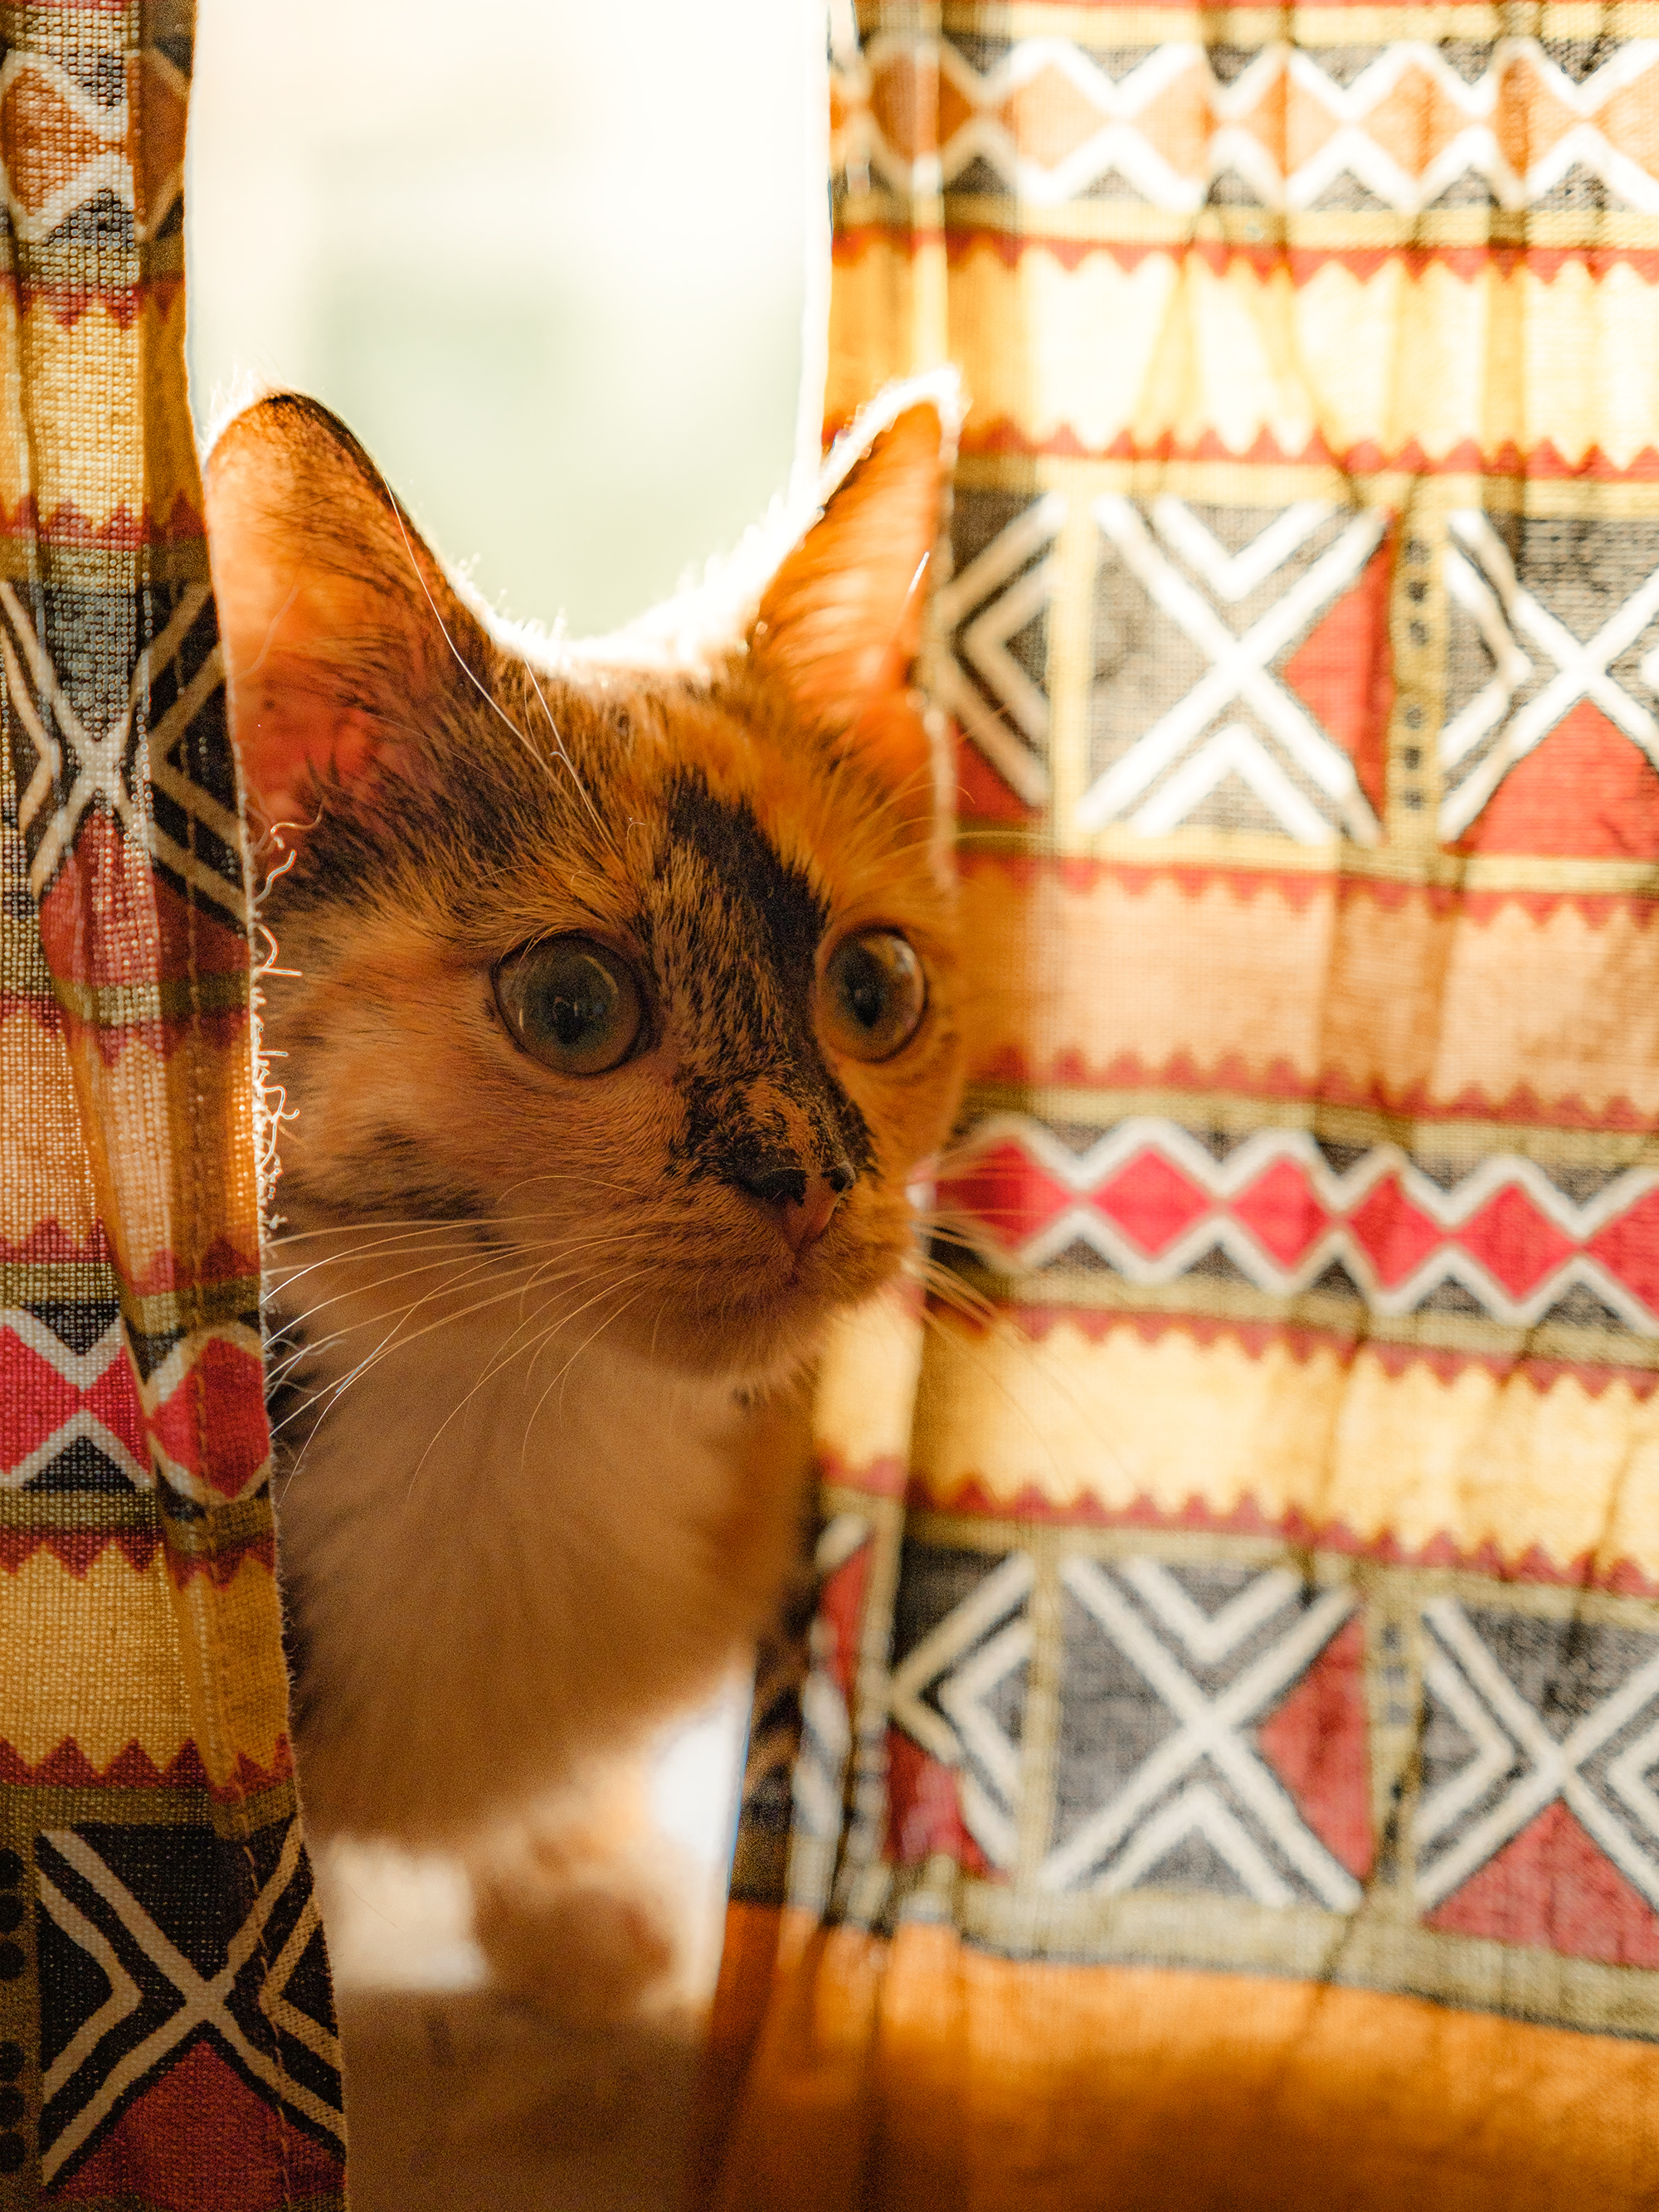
<point>546,259</point>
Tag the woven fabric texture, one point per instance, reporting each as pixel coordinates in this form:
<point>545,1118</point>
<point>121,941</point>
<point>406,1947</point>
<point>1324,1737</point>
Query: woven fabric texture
<point>1225,1770</point>
<point>166,2019</point>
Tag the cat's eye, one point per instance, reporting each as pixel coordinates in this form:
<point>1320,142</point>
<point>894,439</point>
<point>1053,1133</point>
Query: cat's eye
<point>873,996</point>
<point>572,1003</point>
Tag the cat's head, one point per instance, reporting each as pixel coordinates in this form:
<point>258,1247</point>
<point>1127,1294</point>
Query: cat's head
<point>634,968</point>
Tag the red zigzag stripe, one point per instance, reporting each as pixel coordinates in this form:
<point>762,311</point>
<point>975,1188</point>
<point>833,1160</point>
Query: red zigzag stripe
<point>69,1768</point>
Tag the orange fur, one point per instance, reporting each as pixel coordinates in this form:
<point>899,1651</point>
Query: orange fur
<point>539,1323</point>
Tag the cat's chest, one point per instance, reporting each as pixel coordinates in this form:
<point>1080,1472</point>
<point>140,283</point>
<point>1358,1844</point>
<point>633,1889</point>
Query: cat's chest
<point>476,1551</point>
<point>463,1439</point>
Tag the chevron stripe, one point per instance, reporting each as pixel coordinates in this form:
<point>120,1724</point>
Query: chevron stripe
<point>1051,122</point>
<point>1154,1202</point>
<point>66,147</point>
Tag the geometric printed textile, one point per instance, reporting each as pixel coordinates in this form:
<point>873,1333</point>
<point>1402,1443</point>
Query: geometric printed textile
<point>167,2032</point>
<point>1223,1765</point>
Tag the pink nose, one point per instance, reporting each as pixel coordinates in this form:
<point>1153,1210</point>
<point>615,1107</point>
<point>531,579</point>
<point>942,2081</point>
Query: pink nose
<point>804,1220</point>
<point>799,1201</point>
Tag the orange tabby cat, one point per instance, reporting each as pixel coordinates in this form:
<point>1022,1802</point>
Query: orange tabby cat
<point>614,1012</point>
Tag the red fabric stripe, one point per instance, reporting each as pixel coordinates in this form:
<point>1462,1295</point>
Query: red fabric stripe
<point>1294,1529</point>
<point>1474,263</point>
<point>1094,1323</point>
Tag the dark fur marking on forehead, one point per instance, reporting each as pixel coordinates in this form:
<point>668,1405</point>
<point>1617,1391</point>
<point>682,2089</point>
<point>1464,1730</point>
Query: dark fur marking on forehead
<point>732,844</point>
<point>755,1003</point>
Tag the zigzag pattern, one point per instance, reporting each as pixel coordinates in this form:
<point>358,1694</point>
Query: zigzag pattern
<point>1154,1203</point>
<point>169,2021</point>
<point>68,1767</point>
<point>75,1420</point>
<point>1284,133</point>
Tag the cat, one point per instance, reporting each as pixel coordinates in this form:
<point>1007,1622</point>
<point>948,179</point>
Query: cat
<point>616,1005</point>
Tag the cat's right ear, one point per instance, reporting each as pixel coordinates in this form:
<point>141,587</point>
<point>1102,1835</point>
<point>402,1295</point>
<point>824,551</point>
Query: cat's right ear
<point>841,621</point>
<point>337,622</point>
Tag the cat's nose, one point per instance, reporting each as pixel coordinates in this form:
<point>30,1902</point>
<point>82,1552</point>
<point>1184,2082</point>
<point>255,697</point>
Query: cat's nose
<point>805,1202</point>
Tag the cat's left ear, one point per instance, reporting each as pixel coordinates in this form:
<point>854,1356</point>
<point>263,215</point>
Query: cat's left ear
<point>840,623</point>
<point>342,637</point>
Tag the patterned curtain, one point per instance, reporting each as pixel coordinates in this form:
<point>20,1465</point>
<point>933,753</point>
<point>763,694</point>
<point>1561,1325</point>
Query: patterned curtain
<point>1223,1767</point>
<point>166,2020</point>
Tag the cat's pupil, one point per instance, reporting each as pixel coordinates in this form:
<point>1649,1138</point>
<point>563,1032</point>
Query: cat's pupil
<point>866,989</point>
<point>874,994</point>
<point>582,1008</point>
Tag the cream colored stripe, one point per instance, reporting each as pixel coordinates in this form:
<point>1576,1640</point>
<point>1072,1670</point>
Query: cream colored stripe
<point>1478,1460</point>
<point>1393,998</point>
<point>112,405</point>
<point>1176,348</point>
<point>96,1658</point>
<point>866,1382</point>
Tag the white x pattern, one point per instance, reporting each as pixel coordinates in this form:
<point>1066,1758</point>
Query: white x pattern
<point>1239,671</point>
<point>99,759</point>
<point>204,1998</point>
<point>1210,1727</point>
<point>1505,1730</point>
